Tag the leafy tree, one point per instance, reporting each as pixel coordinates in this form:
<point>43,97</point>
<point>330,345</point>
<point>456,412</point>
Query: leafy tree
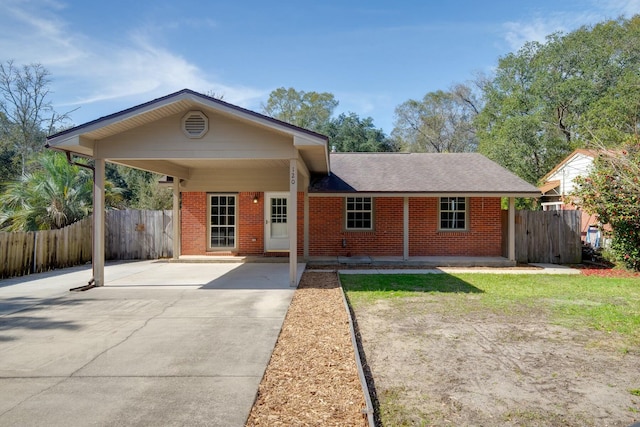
<point>139,189</point>
<point>309,110</point>
<point>350,133</point>
<point>52,196</point>
<point>545,99</point>
<point>615,116</point>
<point>441,122</point>
<point>151,196</point>
<point>612,191</point>
<point>27,114</point>
<point>8,168</point>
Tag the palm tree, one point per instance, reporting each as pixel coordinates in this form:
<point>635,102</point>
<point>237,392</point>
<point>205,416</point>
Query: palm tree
<point>53,196</point>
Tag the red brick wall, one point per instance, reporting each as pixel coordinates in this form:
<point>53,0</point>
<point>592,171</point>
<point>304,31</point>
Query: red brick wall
<point>326,228</point>
<point>250,227</point>
<point>250,216</point>
<point>484,237</point>
<point>300,224</point>
<point>250,224</point>
<point>193,223</point>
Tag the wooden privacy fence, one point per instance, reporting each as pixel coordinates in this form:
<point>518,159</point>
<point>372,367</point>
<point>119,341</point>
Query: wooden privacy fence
<point>546,236</point>
<point>130,234</point>
<point>138,234</point>
<point>36,251</point>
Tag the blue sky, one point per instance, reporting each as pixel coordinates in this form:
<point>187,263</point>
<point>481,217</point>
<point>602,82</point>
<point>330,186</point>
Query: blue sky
<point>105,56</point>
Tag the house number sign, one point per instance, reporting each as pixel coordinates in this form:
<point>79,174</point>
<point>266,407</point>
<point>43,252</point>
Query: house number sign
<point>293,175</point>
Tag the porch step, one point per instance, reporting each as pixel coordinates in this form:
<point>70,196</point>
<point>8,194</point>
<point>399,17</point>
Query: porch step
<point>361,260</point>
<point>424,262</point>
<point>197,259</point>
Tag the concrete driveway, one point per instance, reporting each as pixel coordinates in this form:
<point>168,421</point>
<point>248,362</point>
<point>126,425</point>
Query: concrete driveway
<point>159,344</point>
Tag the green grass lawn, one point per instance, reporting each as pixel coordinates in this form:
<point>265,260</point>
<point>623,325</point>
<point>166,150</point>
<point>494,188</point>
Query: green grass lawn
<point>603,303</point>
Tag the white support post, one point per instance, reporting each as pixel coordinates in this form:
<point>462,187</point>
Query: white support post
<point>405,220</point>
<point>512,229</point>
<point>98,222</point>
<point>292,221</point>
<point>176,217</point>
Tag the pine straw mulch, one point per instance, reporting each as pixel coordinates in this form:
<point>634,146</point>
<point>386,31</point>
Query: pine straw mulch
<point>312,378</point>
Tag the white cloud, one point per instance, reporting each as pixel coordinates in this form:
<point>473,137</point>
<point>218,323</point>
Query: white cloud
<point>362,103</point>
<point>625,8</point>
<point>87,70</point>
<point>36,34</point>
<point>517,33</point>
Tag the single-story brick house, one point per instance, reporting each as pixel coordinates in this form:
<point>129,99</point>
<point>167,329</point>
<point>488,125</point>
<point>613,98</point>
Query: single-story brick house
<point>236,173</point>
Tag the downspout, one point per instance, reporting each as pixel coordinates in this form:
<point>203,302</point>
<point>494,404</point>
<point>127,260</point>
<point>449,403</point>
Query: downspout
<point>82,165</point>
<point>92,282</point>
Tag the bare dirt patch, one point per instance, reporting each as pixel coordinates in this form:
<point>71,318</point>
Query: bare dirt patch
<point>312,379</point>
<point>435,366</point>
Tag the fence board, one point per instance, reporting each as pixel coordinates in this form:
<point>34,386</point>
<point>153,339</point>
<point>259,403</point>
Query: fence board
<point>548,237</point>
<point>129,234</point>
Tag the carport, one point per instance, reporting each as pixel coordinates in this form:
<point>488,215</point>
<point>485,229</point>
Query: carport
<point>204,145</point>
<point>159,344</point>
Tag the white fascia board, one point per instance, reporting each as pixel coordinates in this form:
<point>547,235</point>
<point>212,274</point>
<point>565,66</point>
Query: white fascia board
<point>73,144</point>
<point>118,117</point>
<point>307,140</point>
<point>372,194</point>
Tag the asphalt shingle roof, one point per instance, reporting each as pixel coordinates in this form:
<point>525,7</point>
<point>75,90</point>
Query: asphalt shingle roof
<point>419,173</point>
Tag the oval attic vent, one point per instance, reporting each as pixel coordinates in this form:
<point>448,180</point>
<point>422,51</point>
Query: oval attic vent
<point>195,124</point>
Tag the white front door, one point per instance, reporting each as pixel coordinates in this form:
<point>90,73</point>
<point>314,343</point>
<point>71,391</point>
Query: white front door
<point>276,230</point>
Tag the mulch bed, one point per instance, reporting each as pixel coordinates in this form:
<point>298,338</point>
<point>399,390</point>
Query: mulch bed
<point>312,378</point>
<point>594,269</point>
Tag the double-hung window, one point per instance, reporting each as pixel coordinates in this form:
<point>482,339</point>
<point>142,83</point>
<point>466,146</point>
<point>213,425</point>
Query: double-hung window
<point>222,221</point>
<point>453,213</point>
<point>359,213</point>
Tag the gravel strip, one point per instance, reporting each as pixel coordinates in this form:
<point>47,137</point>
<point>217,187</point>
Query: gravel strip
<point>312,377</point>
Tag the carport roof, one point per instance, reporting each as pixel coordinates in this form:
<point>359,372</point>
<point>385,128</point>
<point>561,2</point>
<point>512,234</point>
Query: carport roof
<point>140,114</point>
<point>429,173</point>
<point>84,139</point>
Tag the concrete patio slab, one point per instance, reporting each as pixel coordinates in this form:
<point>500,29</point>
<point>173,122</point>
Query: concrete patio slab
<point>160,344</point>
<point>129,401</point>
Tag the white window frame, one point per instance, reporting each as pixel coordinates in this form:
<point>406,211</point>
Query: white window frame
<point>552,206</point>
<point>234,226</point>
<point>347,211</point>
<point>453,209</point>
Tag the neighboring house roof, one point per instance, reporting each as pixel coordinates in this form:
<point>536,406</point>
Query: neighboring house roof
<point>548,186</point>
<point>569,158</point>
<point>450,173</point>
<point>562,176</point>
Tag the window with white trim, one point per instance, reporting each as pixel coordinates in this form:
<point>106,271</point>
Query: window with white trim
<point>552,206</point>
<point>222,221</point>
<point>453,213</point>
<point>359,213</point>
